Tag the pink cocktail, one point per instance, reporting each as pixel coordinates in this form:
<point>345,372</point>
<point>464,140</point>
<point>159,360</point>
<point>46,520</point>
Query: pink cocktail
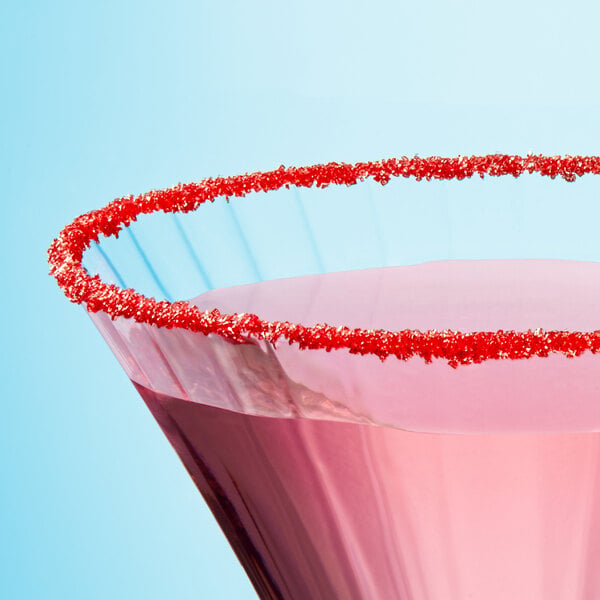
<point>439,437</point>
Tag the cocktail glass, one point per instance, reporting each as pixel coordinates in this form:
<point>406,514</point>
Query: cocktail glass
<point>380,391</point>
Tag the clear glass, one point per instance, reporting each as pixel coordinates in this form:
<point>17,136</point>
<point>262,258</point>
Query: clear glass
<point>337,475</point>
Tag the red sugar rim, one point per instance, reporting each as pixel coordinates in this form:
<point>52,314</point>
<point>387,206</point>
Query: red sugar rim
<point>66,253</point>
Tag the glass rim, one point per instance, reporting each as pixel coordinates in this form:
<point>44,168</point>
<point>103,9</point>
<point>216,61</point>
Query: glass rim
<point>65,257</point>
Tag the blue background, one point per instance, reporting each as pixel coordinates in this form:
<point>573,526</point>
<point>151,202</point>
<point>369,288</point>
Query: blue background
<point>104,99</point>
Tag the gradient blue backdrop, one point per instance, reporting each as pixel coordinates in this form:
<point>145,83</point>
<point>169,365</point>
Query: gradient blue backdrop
<point>102,99</point>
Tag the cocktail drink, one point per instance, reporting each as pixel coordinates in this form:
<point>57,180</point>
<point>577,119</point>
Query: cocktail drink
<point>410,431</point>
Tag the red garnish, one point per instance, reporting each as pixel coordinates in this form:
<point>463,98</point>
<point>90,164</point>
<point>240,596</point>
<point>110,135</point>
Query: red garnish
<point>66,252</point>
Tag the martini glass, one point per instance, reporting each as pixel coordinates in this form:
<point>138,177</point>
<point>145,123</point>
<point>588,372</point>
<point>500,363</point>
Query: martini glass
<point>382,377</point>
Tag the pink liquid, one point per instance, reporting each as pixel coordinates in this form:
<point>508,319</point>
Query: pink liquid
<point>318,509</point>
<point>338,476</point>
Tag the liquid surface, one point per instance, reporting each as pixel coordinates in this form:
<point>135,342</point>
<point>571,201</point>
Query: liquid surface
<point>540,394</point>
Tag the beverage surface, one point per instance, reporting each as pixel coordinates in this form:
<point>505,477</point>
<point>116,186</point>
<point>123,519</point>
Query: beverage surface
<point>553,393</point>
<point>540,394</point>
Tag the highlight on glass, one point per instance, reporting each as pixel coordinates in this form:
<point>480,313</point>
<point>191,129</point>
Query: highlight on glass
<point>383,377</point>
